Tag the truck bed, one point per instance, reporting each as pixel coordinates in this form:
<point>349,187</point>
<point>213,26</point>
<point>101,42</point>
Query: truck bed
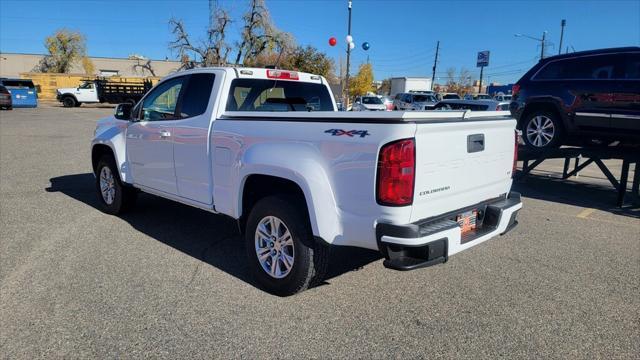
<point>371,116</point>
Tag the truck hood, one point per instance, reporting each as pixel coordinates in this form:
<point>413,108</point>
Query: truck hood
<point>66,90</point>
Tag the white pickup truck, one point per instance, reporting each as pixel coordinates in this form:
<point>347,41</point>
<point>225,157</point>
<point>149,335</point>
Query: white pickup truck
<point>268,148</point>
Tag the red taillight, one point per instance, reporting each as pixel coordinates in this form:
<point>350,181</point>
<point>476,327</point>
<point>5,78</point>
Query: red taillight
<point>281,74</point>
<point>498,107</point>
<point>396,173</point>
<point>515,155</point>
<point>515,89</point>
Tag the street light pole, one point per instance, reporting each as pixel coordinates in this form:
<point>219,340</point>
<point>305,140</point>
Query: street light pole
<point>348,58</point>
<point>562,25</point>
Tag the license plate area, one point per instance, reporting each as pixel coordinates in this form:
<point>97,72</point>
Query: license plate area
<point>468,221</point>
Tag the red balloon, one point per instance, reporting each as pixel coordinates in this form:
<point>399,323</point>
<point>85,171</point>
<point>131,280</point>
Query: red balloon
<point>333,41</point>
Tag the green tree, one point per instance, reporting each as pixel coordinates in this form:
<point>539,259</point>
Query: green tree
<point>65,48</point>
<point>88,66</point>
<point>362,83</point>
<point>311,60</point>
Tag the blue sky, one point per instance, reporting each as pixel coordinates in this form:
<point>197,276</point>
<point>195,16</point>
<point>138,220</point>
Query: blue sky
<point>402,34</point>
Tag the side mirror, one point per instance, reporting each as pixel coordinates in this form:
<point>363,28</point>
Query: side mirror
<point>123,111</point>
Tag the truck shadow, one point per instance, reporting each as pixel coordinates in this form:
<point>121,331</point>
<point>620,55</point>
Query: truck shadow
<point>213,239</point>
<point>589,195</point>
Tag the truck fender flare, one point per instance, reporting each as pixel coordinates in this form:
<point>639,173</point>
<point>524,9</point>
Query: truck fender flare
<point>114,139</point>
<point>310,175</point>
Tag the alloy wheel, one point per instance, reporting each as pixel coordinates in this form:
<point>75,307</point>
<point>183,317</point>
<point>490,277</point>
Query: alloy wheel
<point>274,247</point>
<point>540,131</point>
<point>107,185</point>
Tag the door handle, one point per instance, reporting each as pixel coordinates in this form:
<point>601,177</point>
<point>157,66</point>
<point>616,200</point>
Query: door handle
<point>164,134</point>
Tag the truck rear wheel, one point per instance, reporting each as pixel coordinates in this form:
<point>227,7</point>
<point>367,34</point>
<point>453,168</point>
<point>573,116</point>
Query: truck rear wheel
<point>69,101</point>
<point>281,249</point>
<point>113,195</point>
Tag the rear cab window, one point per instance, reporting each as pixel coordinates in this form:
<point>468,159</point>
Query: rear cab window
<point>278,95</point>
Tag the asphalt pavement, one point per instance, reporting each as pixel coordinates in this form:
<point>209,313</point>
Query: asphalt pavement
<point>170,281</point>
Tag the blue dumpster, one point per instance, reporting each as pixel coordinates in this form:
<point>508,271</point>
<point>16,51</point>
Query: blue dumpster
<point>23,92</point>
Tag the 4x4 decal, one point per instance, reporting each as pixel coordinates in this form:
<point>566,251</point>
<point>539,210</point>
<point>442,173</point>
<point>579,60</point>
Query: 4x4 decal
<point>349,133</point>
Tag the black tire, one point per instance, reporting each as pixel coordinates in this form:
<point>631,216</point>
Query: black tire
<point>124,197</point>
<point>69,101</point>
<point>10,108</point>
<point>78,104</point>
<point>395,108</point>
<point>541,119</point>
<point>310,260</point>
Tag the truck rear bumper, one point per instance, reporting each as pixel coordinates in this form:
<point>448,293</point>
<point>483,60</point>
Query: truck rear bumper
<point>432,241</point>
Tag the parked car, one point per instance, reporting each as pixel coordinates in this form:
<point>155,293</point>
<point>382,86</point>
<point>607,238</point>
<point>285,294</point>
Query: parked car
<point>387,101</point>
<point>575,98</point>
<point>23,92</point>
<point>474,105</point>
<point>450,96</point>
<point>5,99</point>
<point>502,97</point>
<point>368,103</point>
<point>268,148</point>
<point>477,97</point>
<point>414,101</point>
<point>103,91</point>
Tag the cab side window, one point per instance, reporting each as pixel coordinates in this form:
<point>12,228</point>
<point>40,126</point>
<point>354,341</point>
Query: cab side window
<point>161,102</point>
<point>196,95</point>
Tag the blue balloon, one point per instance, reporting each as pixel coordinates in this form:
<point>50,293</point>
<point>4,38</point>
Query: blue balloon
<point>365,46</point>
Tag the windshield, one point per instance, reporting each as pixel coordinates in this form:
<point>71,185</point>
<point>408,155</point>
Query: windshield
<point>424,98</point>
<point>371,100</point>
<point>272,95</point>
<point>451,96</point>
<point>483,97</point>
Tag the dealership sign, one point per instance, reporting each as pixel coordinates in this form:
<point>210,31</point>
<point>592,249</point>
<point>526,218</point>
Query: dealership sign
<point>483,59</point>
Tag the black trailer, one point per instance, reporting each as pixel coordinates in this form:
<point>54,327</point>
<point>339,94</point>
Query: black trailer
<point>116,92</point>
<point>585,156</point>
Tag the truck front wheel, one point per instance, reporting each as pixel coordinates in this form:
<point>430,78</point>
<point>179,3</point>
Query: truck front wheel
<point>69,101</point>
<point>114,196</point>
<point>282,252</point>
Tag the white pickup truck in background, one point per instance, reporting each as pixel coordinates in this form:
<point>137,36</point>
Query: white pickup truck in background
<point>268,148</point>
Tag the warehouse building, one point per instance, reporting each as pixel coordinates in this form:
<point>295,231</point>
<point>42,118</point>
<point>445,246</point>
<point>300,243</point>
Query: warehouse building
<point>14,64</point>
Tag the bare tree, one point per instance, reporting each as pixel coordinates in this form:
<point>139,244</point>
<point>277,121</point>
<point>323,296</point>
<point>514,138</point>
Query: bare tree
<point>213,51</point>
<point>146,66</point>
<point>260,35</point>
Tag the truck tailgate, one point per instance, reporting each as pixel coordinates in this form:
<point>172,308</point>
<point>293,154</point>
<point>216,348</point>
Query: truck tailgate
<point>461,163</point>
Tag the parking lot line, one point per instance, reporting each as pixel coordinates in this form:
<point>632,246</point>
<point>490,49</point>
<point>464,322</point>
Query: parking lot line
<point>585,213</point>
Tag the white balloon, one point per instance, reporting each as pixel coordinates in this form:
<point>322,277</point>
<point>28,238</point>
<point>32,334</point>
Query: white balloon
<point>352,45</point>
<point>349,39</point>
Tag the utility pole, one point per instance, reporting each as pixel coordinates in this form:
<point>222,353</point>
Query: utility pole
<point>562,25</point>
<point>435,64</point>
<point>480,83</point>
<point>348,58</point>
<point>544,34</point>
